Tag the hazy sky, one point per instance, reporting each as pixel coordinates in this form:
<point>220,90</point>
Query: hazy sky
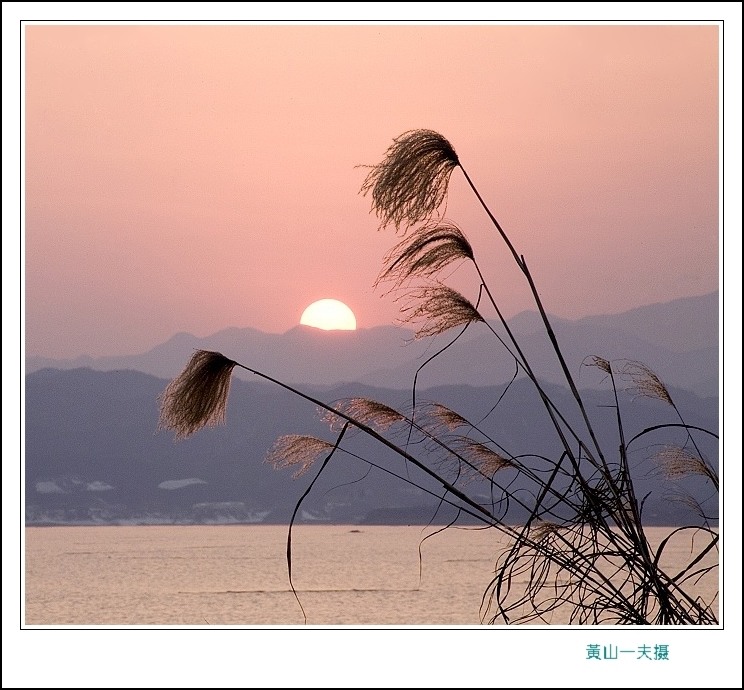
<point>191,178</point>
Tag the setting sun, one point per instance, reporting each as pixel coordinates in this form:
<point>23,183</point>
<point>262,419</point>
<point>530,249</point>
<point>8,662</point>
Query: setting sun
<point>330,315</point>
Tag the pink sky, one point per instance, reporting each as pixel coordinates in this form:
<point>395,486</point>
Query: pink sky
<point>192,178</point>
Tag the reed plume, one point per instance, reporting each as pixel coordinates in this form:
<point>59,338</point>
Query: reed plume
<point>438,416</point>
<point>425,252</point>
<point>644,382</point>
<point>411,182</point>
<point>295,449</point>
<point>374,414</point>
<point>687,500</point>
<point>197,397</point>
<point>600,363</point>
<point>483,460</point>
<point>542,530</point>
<point>676,463</point>
<point>439,308</point>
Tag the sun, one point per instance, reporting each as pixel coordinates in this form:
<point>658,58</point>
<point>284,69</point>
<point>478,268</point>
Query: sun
<point>330,315</point>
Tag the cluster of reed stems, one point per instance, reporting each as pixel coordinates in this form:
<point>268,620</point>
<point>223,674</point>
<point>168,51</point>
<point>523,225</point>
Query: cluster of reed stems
<point>583,547</point>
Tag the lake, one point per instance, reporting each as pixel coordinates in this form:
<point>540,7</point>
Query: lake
<point>237,575</point>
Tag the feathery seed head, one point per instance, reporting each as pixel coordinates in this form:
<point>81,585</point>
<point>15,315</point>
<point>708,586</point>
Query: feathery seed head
<point>543,530</point>
<point>411,182</point>
<point>644,382</point>
<point>295,449</point>
<point>427,250</point>
<point>439,416</point>
<point>439,308</point>
<point>485,462</point>
<point>370,412</point>
<point>600,363</point>
<point>676,462</point>
<point>197,397</point>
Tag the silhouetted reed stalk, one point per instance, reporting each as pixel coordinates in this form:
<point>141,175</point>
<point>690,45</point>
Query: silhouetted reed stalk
<point>582,547</point>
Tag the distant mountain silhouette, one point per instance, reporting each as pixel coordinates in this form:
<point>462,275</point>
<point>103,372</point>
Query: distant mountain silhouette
<point>93,453</point>
<point>678,340</point>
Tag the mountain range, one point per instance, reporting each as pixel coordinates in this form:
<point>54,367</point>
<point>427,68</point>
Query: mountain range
<point>94,455</point>
<point>678,340</point>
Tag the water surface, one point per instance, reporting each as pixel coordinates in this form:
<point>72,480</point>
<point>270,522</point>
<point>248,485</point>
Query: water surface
<point>237,575</point>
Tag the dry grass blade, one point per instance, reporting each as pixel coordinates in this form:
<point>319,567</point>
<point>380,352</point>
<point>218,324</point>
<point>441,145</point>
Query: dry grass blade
<point>411,182</point>
<point>197,397</point>
<point>426,251</point>
<point>440,308</point>
<point>296,449</point>
<point>644,382</point>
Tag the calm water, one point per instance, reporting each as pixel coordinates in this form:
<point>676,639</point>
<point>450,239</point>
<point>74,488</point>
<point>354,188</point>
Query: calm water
<point>237,575</point>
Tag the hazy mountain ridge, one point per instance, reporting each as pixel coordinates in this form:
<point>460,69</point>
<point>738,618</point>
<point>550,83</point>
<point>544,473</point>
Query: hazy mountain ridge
<point>94,455</point>
<point>678,339</point>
